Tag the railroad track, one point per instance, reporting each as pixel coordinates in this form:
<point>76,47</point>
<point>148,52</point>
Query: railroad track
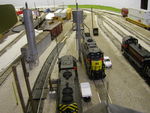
<point>114,17</point>
<point>102,90</point>
<point>6,73</point>
<point>36,23</point>
<point>103,12</point>
<point>108,33</point>
<point>40,89</point>
<point>11,43</point>
<point>120,32</point>
<point>8,70</point>
<point>129,29</point>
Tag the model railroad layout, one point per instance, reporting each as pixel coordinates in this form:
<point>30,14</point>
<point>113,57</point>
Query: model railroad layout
<point>68,86</point>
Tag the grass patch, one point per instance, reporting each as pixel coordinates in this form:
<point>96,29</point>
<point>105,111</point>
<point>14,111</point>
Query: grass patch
<point>97,7</point>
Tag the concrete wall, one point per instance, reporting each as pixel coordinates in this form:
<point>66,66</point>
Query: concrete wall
<point>43,40</point>
<point>43,44</point>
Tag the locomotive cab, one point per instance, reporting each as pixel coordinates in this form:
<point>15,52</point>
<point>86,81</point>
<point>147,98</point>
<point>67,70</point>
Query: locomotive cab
<point>128,40</point>
<point>95,63</point>
<point>138,55</point>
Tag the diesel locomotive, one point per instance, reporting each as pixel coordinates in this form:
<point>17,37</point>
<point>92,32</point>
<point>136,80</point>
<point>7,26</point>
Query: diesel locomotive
<point>68,88</point>
<point>137,54</point>
<point>93,58</point>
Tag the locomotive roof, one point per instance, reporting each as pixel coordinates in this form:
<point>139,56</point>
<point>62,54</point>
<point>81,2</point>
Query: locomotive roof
<point>140,50</point>
<point>129,38</point>
<point>94,50</point>
<point>90,42</point>
<point>67,61</point>
<point>92,46</point>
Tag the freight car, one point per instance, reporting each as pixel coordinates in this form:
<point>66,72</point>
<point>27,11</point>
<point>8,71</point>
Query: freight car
<point>68,90</point>
<point>55,29</point>
<point>93,58</point>
<point>124,12</point>
<point>139,17</point>
<point>137,54</point>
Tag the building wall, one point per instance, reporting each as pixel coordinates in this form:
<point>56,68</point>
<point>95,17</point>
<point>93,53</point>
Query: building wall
<point>114,3</point>
<point>148,4</point>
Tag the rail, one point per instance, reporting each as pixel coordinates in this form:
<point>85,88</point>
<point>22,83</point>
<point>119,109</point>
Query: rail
<point>120,32</point>
<point>36,23</point>
<point>132,31</point>
<point>114,18</point>
<point>102,90</point>
<point>108,33</point>
<point>40,89</point>
<point>6,73</point>
<point>3,50</point>
<point>8,70</point>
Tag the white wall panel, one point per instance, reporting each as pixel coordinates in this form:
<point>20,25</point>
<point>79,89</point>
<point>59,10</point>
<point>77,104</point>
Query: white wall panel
<point>113,3</point>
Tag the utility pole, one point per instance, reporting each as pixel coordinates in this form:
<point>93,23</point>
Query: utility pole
<point>19,89</point>
<point>78,33</point>
<point>34,5</point>
<point>92,17</point>
<point>26,75</point>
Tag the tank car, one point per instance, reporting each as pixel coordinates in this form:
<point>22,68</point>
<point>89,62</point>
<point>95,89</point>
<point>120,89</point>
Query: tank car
<point>68,89</point>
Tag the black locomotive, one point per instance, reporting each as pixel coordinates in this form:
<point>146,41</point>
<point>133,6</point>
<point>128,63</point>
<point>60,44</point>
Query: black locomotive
<point>137,54</point>
<point>93,58</point>
<point>68,89</point>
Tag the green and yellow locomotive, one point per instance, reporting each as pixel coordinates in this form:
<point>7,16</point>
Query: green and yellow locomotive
<point>93,58</point>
